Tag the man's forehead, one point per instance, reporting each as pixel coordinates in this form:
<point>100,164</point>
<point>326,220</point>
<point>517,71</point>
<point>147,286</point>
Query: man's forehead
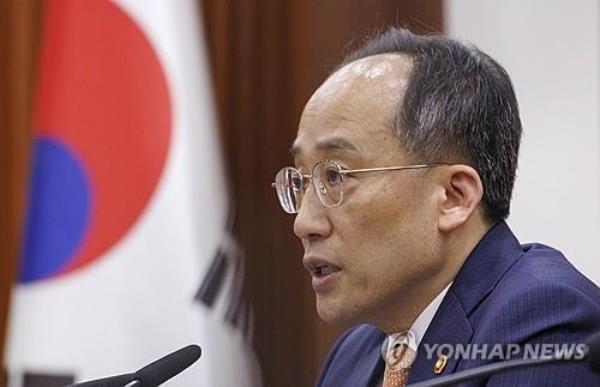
<point>371,85</point>
<point>383,70</point>
<point>356,103</point>
<point>328,143</point>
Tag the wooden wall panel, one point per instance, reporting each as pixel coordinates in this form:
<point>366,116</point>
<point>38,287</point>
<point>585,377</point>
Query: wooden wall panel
<point>19,29</point>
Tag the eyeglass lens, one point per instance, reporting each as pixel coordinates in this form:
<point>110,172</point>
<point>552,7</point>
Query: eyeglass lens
<point>328,183</point>
<point>288,183</point>
<point>327,180</point>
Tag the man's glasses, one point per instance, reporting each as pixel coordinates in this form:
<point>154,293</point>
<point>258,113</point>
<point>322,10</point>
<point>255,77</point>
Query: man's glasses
<point>328,180</point>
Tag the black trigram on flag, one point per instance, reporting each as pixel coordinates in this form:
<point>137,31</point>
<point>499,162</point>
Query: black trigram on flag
<point>225,278</point>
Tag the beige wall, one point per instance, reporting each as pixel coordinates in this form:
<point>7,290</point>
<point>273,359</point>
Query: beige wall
<point>551,51</point>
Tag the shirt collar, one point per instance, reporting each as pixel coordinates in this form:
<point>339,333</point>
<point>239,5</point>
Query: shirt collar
<point>416,332</point>
<point>422,322</point>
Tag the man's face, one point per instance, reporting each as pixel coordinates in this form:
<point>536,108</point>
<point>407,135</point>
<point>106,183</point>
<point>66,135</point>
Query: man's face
<point>380,244</point>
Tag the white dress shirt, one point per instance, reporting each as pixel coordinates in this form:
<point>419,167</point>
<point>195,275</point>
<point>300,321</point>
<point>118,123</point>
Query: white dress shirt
<point>416,332</point>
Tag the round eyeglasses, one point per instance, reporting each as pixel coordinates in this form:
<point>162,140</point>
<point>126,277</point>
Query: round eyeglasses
<point>328,181</point>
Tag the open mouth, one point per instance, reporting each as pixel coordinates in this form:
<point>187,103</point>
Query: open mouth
<point>323,273</point>
<point>323,270</point>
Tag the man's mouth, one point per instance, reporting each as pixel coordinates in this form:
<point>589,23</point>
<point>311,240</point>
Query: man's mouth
<point>323,270</point>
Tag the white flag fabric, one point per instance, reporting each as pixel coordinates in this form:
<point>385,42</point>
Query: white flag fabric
<point>127,253</point>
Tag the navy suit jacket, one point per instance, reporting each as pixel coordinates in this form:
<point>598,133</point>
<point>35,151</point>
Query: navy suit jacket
<point>504,293</point>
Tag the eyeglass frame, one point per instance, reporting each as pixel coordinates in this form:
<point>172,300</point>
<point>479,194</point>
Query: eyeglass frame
<point>343,171</point>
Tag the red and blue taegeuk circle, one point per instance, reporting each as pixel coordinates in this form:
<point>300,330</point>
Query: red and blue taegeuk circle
<point>102,132</point>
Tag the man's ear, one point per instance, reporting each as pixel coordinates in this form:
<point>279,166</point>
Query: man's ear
<point>463,193</point>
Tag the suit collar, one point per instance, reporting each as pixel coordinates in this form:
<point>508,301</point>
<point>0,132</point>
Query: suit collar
<point>495,253</point>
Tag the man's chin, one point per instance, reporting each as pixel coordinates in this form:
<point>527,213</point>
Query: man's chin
<point>336,314</point>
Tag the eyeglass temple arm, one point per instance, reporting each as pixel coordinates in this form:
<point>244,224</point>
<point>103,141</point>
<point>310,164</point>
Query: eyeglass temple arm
<point>397,168</point>
<point>379,169</point>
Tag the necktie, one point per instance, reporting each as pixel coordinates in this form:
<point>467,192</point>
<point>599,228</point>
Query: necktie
<point>397,365</point>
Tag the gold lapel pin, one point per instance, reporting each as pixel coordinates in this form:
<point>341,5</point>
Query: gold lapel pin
<point>440,364</point>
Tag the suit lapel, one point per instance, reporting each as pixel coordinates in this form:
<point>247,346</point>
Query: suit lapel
<point>495,253</point>
<point>371,370</point>
<point>449,326</point>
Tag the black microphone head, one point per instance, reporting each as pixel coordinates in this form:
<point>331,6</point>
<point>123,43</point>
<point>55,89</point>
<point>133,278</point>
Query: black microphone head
<point>593,344</point>
<point>165,368</point>
<point>112,381</point>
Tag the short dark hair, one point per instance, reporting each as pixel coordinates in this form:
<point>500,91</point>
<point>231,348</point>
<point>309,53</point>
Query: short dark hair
<point>459,106</point>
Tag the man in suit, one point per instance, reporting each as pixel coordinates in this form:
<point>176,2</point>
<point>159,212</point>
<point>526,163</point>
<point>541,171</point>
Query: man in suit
<point>405,161</point>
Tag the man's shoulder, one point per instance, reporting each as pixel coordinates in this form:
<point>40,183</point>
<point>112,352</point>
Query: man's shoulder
<point>542,269</point>
<point>361,337</point>
<point>541,300</point>
<point>547,263</point>
<point>357,342</point>
<point>353,357</point>
<point>540,291</point>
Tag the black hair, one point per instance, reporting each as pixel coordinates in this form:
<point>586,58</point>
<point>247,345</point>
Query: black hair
<point>459,106</point>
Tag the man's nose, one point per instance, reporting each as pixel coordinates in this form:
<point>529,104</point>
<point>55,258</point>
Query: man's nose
<point>311,221</point>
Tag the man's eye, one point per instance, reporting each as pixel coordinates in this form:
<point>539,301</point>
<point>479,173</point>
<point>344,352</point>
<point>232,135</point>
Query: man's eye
<point>333,177</point>
<point>296,183</point>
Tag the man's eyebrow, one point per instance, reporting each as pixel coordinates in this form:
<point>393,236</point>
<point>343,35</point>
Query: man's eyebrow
<point>334,143</point>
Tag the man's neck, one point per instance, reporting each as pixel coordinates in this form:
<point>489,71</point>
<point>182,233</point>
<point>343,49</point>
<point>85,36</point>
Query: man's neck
<point>456,248</point>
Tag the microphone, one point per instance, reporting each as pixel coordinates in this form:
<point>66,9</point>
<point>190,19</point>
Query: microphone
<point>165,368</point>
<point>113,381</point>
<point>153,374</point>
<point>591,354</point>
